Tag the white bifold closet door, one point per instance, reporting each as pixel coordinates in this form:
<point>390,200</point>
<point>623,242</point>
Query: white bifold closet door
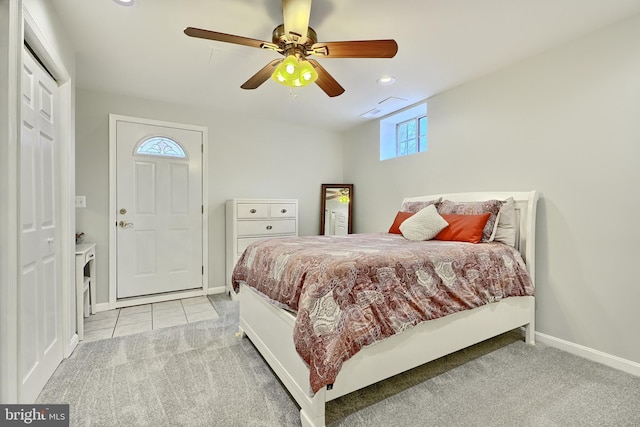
<point>40,347</point>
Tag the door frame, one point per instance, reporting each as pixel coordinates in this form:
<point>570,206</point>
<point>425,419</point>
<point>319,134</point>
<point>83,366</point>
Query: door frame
<point>113,250</point>
<point>23,27</point>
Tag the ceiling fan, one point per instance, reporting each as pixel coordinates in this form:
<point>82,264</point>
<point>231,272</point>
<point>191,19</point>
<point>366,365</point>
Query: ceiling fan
<point>342,194</point>
<point>334,193</point>
<point>295,40</point>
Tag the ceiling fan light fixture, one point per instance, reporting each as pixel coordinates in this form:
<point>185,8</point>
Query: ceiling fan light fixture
<point>290,67</point>
<point>308,74</point>
<point>294,73</point>
<point>124,2</point>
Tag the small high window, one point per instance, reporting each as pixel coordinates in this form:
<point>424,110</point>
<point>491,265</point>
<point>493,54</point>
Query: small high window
<point>160,146</point>
<point>404,133</point>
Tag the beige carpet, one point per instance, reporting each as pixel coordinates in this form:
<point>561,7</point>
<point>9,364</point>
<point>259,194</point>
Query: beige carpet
<point>201,374</point>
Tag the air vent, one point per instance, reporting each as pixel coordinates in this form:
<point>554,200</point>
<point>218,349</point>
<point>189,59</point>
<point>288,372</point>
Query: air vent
<point>371,113</point>
<point>392,103</point>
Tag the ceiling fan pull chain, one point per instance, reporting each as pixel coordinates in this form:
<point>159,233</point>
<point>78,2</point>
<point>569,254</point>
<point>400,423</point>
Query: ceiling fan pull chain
<point>292,93</point>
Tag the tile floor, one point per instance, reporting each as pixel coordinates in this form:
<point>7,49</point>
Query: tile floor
<point>141,318</point>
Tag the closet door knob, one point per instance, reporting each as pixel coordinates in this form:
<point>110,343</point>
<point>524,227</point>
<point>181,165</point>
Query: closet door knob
<point>283,211</point>
<point>269,227</point>
<point>252,211</point>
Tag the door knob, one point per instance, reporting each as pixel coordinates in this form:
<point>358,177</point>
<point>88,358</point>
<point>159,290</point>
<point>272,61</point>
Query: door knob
<point>124,224</point>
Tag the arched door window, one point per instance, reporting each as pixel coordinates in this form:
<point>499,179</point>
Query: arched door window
<point>160,146</point>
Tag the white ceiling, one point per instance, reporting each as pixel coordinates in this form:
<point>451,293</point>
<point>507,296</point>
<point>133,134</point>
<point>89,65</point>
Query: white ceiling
<point>141,50</point>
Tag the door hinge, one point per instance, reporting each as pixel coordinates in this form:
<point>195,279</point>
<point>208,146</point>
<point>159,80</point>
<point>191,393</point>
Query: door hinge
<point>202,148</point>
<point>202,208</point>
<point>203,270</point>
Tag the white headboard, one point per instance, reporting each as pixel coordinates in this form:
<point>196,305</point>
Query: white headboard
<point>525,201</point>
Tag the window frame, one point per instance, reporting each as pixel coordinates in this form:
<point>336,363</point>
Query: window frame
<point>418,136</point>
<point>182,153</point>
<point>389,131</point>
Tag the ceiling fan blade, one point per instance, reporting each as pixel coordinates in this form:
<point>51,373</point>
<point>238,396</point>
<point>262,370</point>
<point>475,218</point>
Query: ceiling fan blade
<point>356,49</point>
<point>296,17</point>
<point>228,38</point>
<point>326,82</point>
<point>262,75</point>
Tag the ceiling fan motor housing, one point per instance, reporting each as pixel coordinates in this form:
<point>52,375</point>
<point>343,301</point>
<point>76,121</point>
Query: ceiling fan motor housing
<point>294,43</point>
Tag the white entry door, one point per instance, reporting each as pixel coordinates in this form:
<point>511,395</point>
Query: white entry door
<point>40,347</point>
<point>159,203</point>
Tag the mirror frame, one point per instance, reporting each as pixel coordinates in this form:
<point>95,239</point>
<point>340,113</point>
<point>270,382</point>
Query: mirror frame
<point>323,204</point>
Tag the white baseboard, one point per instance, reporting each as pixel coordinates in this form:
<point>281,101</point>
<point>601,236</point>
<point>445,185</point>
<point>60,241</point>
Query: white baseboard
<point>72,345</point>
<point>216,290</point>
<point>616,362</point>
<point>103,306</point>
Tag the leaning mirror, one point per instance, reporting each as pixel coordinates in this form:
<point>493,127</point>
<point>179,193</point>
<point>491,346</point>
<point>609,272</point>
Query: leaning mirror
<point>336,209</point>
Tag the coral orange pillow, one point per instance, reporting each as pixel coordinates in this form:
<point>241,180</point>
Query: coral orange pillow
<point>463,228</point>
<point>400,217</point>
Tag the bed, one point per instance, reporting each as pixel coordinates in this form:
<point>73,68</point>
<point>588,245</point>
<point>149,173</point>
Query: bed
<point>271,314</point>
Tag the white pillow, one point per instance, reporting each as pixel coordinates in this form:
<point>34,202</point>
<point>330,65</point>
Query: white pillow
<point>506,230</point>
<point>424,225</point>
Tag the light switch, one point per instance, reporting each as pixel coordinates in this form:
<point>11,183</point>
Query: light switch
<point>81,201</point>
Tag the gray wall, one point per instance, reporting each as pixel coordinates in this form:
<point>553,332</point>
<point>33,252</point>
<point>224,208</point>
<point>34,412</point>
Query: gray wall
<point>248,157</point>
<point>565,123</point>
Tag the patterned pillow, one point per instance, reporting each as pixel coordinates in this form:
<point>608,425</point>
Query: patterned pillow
<point>475,208</point>
<point>414,207</point>
<point>424,225</point>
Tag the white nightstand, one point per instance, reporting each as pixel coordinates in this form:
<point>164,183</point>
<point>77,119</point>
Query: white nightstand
<point>250,220</point>
<point>85,284</point>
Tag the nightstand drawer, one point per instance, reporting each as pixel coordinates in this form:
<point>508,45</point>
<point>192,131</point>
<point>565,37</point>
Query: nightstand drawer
<point>253,210</point>
<point>87,251</point>
<point>89,255</point>
<point>244,242</point>
<point>282,210</point>
<point>265,228</point>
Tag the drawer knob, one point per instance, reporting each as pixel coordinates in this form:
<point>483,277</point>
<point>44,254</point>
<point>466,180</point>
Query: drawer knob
<point>252,211</point>
<point>269,227</point>
<point>283,211</point>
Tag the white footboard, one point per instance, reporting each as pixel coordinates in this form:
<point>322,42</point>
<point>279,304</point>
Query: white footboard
<point>271,331</point>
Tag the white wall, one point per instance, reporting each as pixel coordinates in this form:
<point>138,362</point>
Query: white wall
<point>248,157</point>
<point>565,123</point>
<point>10,17</point>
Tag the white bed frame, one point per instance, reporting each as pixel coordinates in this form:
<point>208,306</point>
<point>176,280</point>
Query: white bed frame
<point>271,328</point>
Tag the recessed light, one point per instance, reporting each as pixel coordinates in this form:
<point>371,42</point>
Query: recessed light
<point>124,2</point>
<point>386,80</point>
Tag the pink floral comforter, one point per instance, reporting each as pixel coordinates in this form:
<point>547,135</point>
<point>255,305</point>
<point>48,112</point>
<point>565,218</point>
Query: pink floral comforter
<point>352,291</point>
